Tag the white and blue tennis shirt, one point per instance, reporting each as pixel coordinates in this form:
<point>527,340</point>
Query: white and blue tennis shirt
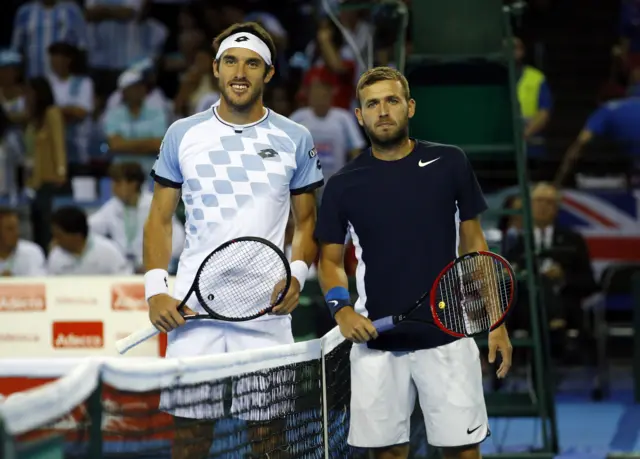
<point>235,180</point>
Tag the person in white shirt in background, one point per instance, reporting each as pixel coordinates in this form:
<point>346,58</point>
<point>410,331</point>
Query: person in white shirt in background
<point>77,252</point>
<point>73,93</point>
<point>122,217</point>
<point>134,128</point>
<point>335,132</point>
<point>18,257</point>
<point>155,97</point>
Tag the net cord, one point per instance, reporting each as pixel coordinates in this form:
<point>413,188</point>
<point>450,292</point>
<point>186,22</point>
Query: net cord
<point>76,383</point>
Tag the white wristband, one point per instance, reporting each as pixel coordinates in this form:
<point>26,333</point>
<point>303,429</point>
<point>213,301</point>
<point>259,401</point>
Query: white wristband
<point>300,270</point>
<point>155,283</point>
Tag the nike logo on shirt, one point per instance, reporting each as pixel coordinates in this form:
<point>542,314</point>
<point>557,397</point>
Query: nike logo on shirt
<point>426,163</point>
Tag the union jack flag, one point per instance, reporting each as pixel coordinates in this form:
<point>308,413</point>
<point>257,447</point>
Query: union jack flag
<point>609,221</point>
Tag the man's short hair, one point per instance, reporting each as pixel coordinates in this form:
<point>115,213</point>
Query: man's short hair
<point>7,211</point>
<point>248,27</point>
<point>71,219</point>
<point>127,171</point>
<point>376,74</point>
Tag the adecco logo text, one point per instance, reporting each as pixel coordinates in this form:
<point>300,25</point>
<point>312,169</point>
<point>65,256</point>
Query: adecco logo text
<point>78,335</point>
<point>128,297</point>
<point>22,297</point>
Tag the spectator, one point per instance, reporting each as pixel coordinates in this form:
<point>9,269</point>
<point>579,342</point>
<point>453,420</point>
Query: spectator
<point>73,93</point>
<point>535,100</point>
<point>335,131</point>
<point>77,252</point>
<point>134,129</point>
<point>11,86</point>
<point>198,86</point>
<point>617,120</point>
<point>329,54</point>
<point>46,156</point>
<point>120,34</point>
<point>39,23</point>
<point>155,97</point>
<point>122,217</point>
<point>18,257</point>
<point>562,260</point>
<point>11,149</point>
<point>190,40</point>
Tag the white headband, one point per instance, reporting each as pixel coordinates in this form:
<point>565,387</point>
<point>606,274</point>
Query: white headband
<point>247,41</point>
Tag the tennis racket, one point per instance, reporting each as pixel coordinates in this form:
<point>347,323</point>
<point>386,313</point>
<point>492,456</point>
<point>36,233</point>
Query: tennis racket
<point>234,283</point>
<point>472,295</point>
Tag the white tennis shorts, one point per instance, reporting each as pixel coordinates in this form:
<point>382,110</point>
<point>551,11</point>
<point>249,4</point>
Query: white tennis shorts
<point>447,380</point>
<point>254,397</point>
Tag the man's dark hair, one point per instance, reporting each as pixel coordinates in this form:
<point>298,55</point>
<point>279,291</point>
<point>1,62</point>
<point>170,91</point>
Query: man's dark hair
<point>7,211</point>
<point>248,27</point>
<point>71,219</point>
<point>127,171</point>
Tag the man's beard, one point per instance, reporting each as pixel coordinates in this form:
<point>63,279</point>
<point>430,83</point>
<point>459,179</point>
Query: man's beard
<point>391,141</point>
<point>243,107</point>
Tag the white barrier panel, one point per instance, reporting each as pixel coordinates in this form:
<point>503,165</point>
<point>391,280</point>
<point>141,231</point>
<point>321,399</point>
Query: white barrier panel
<point>72,316</point>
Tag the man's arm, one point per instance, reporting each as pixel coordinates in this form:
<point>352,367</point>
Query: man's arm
<point>331,272</point>
<point>541,119</point>
<point>572,155</point>
<point>335,286</point>
<point>306,178</point>
<point>471,204</point>
<point>303,246</point>
<point>157,240</point>
<point>472,237</point>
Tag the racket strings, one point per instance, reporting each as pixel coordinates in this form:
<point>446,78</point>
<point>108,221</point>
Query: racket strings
<point>474,294</point>
<point>238,281</point>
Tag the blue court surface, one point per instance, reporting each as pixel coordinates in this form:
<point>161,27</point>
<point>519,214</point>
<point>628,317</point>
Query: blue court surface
<point>586,429</point>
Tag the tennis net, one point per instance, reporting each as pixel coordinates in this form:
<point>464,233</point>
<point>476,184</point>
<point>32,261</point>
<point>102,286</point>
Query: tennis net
<point>284,402</point>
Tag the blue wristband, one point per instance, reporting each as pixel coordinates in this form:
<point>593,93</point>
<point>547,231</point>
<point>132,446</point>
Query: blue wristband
<point>336,299</point>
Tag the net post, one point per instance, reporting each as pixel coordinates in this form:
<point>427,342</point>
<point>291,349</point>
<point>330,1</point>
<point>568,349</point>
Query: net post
<point>94,409</point>
<point>325,411</point>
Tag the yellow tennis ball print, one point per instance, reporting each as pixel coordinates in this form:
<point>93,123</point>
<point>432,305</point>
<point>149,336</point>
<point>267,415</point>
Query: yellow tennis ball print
<point>441,305</point>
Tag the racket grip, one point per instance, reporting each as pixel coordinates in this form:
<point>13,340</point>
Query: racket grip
<point>384,324</point>
<point>124,344</point>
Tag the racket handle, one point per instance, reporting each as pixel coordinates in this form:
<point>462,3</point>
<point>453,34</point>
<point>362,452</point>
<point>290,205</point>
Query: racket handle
<point>384,324</point>
<point>124,344</point>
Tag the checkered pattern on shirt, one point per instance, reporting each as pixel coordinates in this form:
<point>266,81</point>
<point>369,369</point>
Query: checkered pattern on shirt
<point>232,174</point>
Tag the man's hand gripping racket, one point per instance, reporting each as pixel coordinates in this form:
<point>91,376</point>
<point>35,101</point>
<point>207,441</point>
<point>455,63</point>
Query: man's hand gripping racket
<point>241,280</point>
<point>472,295</point>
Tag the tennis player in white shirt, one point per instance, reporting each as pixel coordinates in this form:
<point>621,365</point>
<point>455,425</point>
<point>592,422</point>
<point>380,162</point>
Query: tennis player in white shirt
<point>76,252</point>
<point>122,217</point>
<point>18,257</point>
<point>240,168</point>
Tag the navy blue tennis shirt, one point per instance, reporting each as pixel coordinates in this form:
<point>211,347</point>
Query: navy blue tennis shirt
<point>402,219</point>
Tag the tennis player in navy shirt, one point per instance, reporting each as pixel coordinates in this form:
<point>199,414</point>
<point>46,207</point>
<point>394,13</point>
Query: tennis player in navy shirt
<point>398,201</point>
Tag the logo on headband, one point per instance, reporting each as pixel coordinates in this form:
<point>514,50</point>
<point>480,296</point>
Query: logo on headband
<point>243,38</point>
